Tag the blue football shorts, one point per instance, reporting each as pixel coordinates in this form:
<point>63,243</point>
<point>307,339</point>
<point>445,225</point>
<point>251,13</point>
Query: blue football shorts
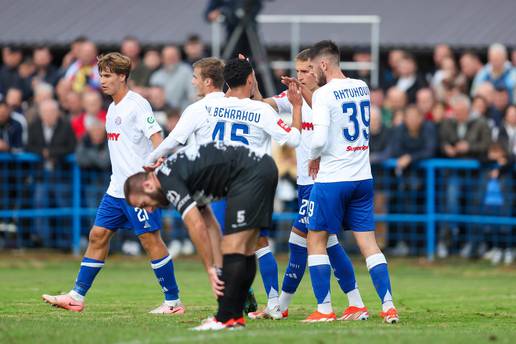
<point>347,205</point>
<point>114,213</point>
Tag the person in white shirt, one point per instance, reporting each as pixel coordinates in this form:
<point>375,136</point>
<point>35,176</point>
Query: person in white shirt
<point>193,129</point>
<point>234,118</point>
<point>342,194</point>
<point>341,264</point>
<point>132,131</point>
<point>193,126</point>
<point>237,119</point>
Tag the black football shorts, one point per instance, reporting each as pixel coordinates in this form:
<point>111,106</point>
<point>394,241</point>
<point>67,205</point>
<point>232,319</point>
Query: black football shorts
<point>250,199</point>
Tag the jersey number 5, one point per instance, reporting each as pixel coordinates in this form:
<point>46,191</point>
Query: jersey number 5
<point>238,130</point>
<point>365,107</point>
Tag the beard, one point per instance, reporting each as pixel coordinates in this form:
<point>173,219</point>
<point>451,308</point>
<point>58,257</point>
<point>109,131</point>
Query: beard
<point>321,78</point>
<point>158,196</point>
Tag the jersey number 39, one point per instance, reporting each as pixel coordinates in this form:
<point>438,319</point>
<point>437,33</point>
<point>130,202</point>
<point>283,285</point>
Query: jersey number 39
<point>365,106</point>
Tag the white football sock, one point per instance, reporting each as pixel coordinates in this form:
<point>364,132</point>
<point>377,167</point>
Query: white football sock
<point>272,302</point>
<point>172,303</point>
<point>284,300</point>
<point>387,305</point>
<point>76,296</point>
<point>325,308</point>
<point>355,299</point>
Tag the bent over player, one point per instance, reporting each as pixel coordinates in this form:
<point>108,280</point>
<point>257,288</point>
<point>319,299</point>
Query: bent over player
<point>238,119</point>
<point>132,132</point>
<point>190,180</point>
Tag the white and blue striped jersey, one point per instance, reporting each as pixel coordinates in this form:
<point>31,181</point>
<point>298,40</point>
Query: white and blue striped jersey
<point>249,122</point>
<point>341,112</point>
<point>307,129</point>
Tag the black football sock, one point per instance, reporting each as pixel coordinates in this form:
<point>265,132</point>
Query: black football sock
<point>236,276</point>
<point>250,273</point>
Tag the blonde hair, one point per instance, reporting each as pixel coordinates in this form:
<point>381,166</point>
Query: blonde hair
<point>212,68</point>
<point>115,63</point>
<point>303,55</point>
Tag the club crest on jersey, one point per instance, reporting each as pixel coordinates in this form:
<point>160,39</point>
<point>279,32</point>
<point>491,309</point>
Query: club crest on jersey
<point>118,120</point>
<point>284,125</point>
<point>151,119</point>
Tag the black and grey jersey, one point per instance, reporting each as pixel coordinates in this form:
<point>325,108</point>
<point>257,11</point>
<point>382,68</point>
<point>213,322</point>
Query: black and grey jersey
<point>201,174</point>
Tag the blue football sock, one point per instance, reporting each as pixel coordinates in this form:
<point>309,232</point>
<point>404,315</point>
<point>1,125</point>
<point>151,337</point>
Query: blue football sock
<point>164,271</point>
<point>296,263</point>
<point>341,264</point>
<point>295,269</point>
<point>269,271</point>
<point>87,273</point>
<point>344,272</point>
<point>320,273</point>
<point>377,266</point>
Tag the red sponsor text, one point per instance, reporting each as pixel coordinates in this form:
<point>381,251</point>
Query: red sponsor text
<point>113,136</point>
<point>357,149</point>
<point>284,125</point>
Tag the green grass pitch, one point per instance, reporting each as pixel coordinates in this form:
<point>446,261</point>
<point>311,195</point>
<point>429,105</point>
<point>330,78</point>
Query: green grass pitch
<point>454,302</point>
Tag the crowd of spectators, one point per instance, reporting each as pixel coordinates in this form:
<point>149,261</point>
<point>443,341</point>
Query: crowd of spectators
<point>55,109</point>
<point>462,108</point>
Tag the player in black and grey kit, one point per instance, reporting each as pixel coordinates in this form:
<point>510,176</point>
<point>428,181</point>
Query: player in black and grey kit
<point>191,179</point>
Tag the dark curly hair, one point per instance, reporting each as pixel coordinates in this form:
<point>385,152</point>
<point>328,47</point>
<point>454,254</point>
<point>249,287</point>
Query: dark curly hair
<point>236,72</point>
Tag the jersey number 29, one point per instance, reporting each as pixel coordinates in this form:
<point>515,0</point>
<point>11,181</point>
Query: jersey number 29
<point>238,130</point>
<point>365,107</point>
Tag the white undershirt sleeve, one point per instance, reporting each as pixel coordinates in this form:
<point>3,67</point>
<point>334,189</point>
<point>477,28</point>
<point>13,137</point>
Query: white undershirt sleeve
<point>321,120</point>
<point>185,127</point>
<point>319,138</point>
<point>164,149</point>
<point>294,138</point>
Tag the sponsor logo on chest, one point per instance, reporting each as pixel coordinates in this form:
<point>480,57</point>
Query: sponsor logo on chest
<point>307,126</point>
<point>113,136</point>
<point>357,149</point>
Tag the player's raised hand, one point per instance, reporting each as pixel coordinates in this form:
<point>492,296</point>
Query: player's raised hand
<point>286,80</point>
<point>154,166</point>
<point>217,286</point>
<point>313,168</point>
<point>255,92</point>
<point>294,94</point>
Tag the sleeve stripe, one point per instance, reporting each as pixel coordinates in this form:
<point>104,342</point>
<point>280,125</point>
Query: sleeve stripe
<point>190,207</point>
<point>284,125</point>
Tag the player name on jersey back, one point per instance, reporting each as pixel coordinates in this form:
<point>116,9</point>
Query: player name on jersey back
<point>248,122</point>
<point>344,106</point>
<point>237,114</point>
